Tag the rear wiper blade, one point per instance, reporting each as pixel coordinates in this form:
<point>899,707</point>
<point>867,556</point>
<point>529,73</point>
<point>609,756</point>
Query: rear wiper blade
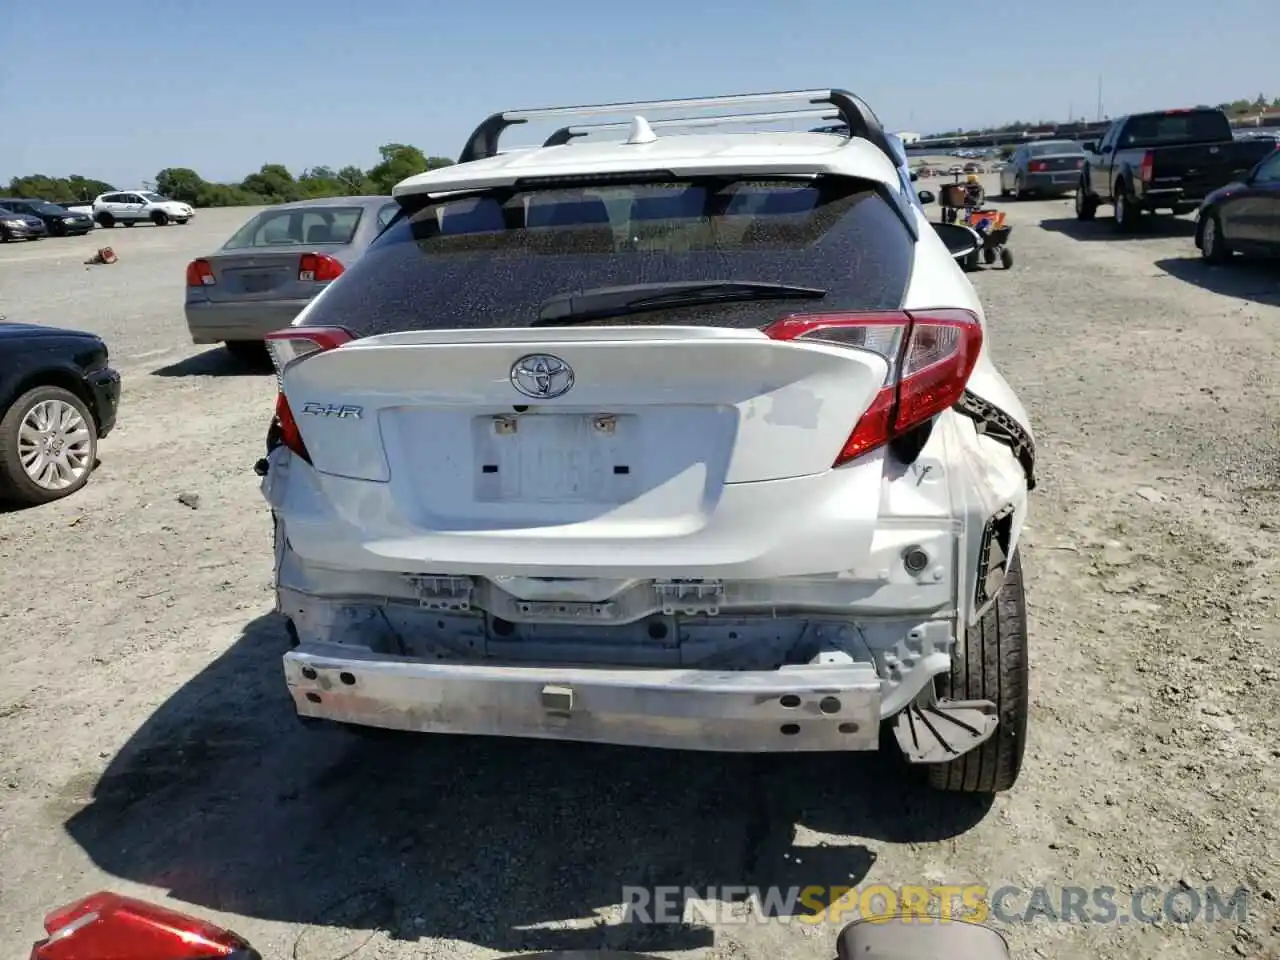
<point>582,306</point>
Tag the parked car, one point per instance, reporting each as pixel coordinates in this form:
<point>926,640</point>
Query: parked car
<point>272,267</point>
<point>1047,169</point>
<point>58,220</point>
<point>21,226</point>
<point>1170,160</point>
<point>1243,217</point>
<point>58,398</point>
<point>139,206</point>
<point>717,460</point>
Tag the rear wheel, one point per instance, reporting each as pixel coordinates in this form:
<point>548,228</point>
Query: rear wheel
<point>105,220</point>
<point>48,446</point>
<point>1125,214</point>
<point>992,667</point>
<point>1213,248</point>
<point>1086,206</point>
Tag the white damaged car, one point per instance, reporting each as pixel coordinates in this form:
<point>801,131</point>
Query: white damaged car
<point>687,441</point>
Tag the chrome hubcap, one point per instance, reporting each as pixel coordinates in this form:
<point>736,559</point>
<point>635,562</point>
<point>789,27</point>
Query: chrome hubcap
<point>54,444</point>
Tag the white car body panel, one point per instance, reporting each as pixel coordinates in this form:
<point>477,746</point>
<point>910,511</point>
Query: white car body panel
<point>729,525</point>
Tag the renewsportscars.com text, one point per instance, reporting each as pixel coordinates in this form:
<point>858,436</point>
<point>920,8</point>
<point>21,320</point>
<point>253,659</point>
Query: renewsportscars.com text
<point>974,902</point>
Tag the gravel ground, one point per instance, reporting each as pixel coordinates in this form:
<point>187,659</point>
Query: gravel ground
<point>148,745</point>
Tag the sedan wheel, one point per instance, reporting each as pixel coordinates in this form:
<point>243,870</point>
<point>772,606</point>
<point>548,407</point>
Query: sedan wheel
<point>1213,248</point>
<point>48,446</point>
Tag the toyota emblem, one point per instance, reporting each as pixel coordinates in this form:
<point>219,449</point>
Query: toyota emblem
<point>541,376</point>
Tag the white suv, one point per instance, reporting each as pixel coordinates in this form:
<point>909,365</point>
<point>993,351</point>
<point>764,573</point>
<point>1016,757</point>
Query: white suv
<point>689,441</point>
<point>139,206</point>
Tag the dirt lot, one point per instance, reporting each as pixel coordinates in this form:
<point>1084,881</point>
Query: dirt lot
<point>147,743</point>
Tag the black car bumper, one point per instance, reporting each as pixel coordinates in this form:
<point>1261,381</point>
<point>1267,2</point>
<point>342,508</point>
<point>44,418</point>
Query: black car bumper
<point>71,226</point>
<point>104,387</point>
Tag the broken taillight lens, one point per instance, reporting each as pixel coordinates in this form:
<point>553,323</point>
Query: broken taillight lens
<point>107,926</point>
<point>290,346</point>
<point>930,355</point>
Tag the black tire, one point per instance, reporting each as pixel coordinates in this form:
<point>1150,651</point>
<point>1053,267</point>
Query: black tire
<point>57,229</point>
<point>993,667</point>
<point>989,256</point>
<point>251,352</point>
<point>4,236</point>
<point>1006,258</point>
<point>1126,216</point>
<point>105,220</point>
<point>160,218</point>
<point>15,485</point>
<point>1213,249</point>
<point>1086,205</point>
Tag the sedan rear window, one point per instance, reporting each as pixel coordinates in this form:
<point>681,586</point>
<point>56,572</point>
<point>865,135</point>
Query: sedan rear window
<point>493,259</point>
<point>310,225</point>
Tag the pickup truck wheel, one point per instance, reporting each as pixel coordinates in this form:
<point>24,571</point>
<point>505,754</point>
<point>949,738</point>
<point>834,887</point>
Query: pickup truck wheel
<point>993,667</point>
<point>1126,214</point>
<point>1213,249</point>
<point>1086,206</point>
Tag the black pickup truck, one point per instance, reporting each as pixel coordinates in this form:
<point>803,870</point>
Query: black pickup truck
<point>1170,160</point>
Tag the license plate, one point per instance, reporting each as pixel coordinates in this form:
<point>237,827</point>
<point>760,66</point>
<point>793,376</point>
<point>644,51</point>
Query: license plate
<point>555,458</point>
<point>256,282</point>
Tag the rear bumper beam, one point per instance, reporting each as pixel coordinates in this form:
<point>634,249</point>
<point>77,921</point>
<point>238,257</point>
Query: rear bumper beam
<point>792,709</point>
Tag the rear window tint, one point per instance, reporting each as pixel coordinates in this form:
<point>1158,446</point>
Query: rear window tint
<point>1176,127</point>
<point>491,260</point>
<point>300,225</point>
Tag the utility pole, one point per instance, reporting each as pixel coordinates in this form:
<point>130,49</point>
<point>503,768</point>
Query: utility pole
<point>1099,97</point>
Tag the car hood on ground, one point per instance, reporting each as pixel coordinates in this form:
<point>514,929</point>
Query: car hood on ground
<point>13,330</point>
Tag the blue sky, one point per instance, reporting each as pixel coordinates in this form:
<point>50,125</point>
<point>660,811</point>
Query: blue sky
<point>120,89</point>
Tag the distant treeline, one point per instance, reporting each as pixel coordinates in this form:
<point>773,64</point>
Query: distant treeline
<point>272,184</point>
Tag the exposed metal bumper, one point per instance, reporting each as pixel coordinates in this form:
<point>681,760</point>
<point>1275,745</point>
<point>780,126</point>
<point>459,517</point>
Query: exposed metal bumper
<point>211,322</point>
<point>796,708</point>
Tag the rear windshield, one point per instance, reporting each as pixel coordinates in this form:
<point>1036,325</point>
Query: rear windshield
<point>1048,149</point>
<point>491,260</point>
<point>299,225</point>
<point>1191,127</point>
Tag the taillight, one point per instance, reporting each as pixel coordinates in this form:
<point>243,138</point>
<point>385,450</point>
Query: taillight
<point>1148,163</point>
<point>1080,164</point>
<point>290,346</point>
<point>318,268</point>
<point>930,355</point>
<point>200,274</point>
<point>1038,166</point>
<point>109,925</point>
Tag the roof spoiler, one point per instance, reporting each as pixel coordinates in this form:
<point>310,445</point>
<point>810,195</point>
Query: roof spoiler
<point>568,134</point>
<point>856,116</point>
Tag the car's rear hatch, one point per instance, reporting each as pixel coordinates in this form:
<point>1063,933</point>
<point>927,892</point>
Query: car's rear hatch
<point>680,434</point>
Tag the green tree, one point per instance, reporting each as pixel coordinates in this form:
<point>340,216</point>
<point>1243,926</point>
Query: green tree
<point>400,161</point>
<point>39,186</point>
<point>180,183</point>
<point>273,183</point>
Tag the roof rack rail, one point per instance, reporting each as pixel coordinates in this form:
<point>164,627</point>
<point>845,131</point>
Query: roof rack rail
<point>856,115</point>
<point>567,134</point>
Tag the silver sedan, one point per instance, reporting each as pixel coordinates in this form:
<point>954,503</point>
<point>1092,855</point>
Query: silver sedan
<point>274,265</point>
<point>1047,169</point>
